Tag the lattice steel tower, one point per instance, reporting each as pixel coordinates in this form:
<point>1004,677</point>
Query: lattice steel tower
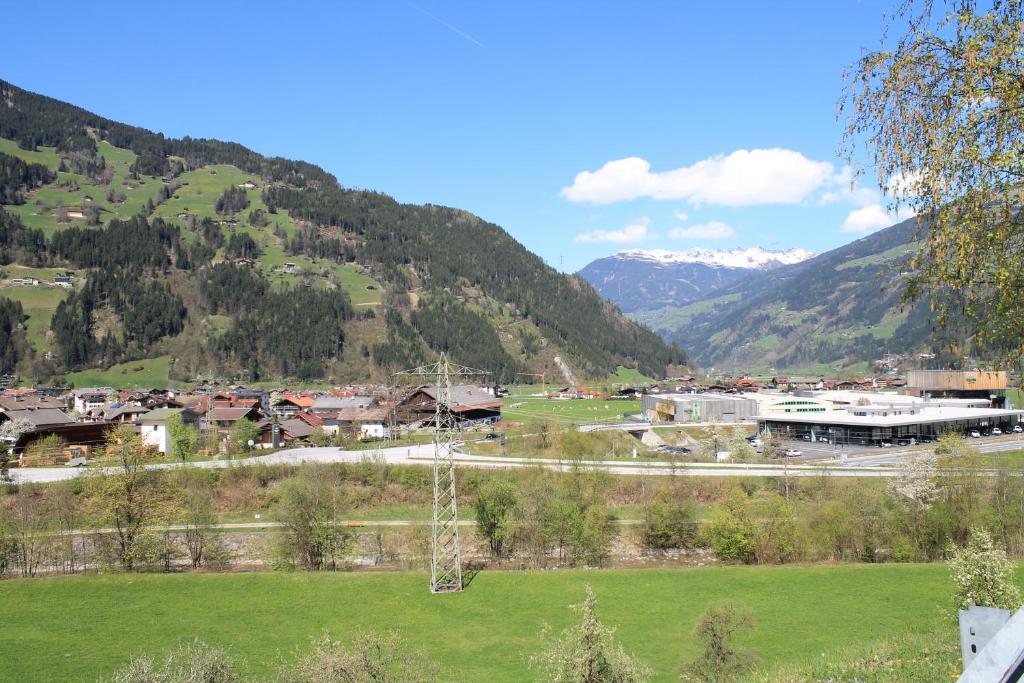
<point>446,558</point>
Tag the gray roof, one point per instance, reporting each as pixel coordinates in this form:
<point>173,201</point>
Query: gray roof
<point>30,401</point>
<point>296,429</point>
<point>111,413</point>
<point>464,395</point>
<point>92,390</point>
<point>337,403</point>
<point>41,417</point>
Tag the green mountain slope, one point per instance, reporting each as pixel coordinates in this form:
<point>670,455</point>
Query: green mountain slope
<point>837,309</point>
<point>234,264</point>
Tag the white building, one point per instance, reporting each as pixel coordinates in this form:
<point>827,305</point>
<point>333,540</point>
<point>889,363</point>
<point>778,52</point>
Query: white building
<point>153,426</point>
<point>90,398</point>
<point>898,423</point>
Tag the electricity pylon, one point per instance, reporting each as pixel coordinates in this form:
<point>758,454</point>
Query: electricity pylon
<point>446,557</point>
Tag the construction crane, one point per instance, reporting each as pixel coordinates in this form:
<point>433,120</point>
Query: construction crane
<point>542,375</point>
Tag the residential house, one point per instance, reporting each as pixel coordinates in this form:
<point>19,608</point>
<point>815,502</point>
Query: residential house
<point>287,431</point>
<point>38,417</point>
<point>90,398</point>
<point>224,419</point>
<point>288,405</point>
<point>18,400</point>
<point>367,423</point>
<point>122,413</point>
<point>468,403</point>
<point>153,426</point>
<point>332,404</point>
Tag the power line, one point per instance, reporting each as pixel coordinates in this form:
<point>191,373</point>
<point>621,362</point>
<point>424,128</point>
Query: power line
<point>445,555</point>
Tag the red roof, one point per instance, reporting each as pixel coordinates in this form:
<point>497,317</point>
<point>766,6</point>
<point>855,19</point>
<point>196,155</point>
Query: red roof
<point>300,400</point>
<point>312,419</point>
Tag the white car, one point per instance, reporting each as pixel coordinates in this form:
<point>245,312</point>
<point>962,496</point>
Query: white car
<point>1017,429</point>
<point>792,453</point>
<point>996,431</point>
<point>885,444</point>
<point>974,434</point>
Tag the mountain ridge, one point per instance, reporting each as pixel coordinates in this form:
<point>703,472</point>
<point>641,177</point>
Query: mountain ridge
<point>740,257</point>
<point>841,307</point>
<point>645,279</point>
<point>240,265</point>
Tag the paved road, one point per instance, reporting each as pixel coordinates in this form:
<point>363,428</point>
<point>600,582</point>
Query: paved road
<point>423,455</point>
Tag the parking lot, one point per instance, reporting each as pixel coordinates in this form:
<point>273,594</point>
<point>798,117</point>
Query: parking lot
<point>875,455</point>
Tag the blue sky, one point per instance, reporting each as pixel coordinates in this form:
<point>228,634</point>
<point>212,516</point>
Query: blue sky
<point>693,124</point>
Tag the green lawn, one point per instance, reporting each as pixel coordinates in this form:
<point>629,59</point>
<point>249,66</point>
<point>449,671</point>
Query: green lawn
<point>149,373</point>
<point>83,627</point>
<point>520,409</point>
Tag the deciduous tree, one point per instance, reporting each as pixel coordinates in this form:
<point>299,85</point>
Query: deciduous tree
<point>936,111</point>
<point>983,575</point>
<point>587,652</point>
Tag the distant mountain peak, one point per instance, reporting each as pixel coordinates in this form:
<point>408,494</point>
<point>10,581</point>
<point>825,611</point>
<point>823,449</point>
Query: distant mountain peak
<point>749,257</point>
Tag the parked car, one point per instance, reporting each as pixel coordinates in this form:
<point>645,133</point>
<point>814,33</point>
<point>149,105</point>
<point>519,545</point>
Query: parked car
<point>1017,429</point>
<point>996,431</point>
<point>792,453</point>
<point>974,434</point>
<point>885,444</point>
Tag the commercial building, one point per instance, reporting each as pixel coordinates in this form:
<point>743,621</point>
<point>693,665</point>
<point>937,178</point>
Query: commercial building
<point>898,423</point>
<point>986,384</point>
<point>786,404</point>
<point>688,408</point>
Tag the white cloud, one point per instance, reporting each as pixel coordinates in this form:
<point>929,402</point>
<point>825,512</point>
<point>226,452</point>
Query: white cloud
<point>633,233</point>
<point>680,216</point>
<point>904,186</point>
<point>742,178</point>
<point>845,188</point>
<point>712,230</point>
<point>867,219</point>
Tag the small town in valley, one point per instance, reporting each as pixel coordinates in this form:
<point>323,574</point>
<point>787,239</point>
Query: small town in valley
<point>456,342</point>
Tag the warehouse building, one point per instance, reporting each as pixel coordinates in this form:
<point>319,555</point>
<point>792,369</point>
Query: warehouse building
<point>898,423</point>
<point>689,408</point>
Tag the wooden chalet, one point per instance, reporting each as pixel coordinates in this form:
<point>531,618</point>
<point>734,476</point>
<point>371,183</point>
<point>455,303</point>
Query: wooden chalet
<point>469,404</point>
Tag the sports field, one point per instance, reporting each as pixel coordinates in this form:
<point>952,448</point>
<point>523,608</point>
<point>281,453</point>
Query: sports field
<point>81,628</point>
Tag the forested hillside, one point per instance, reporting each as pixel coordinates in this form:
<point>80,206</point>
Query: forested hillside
<point>839,308</point>
<point>223,262</point>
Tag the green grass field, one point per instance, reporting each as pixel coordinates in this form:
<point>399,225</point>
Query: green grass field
<point>520,409</point>
<point>149,373</point>
<point>84,627</point>
<point>625,375</point>
<point>39,303</point>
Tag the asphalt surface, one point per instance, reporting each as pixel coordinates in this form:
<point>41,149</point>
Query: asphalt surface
<point>423,455</point>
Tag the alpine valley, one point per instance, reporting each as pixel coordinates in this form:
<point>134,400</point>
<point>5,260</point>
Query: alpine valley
<point>128,257</point>
<point>759,310</point>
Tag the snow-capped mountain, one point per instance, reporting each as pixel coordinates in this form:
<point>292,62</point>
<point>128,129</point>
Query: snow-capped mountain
<point>647,279</point>
<point>751,257</point>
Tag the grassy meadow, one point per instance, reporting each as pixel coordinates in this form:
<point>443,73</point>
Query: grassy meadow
<point>149,373</point>
<point>82,628</point>
<point>580,411</point>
